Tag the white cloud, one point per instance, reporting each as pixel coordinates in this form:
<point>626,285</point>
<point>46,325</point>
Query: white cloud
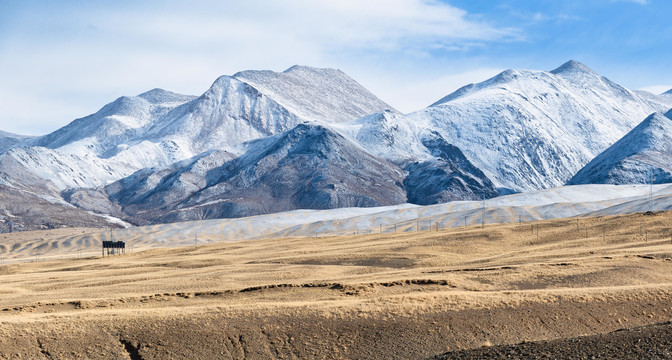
<point>657,89</point>
<point>56,61</point>
<point>640,2</point>
<point>538,17</point>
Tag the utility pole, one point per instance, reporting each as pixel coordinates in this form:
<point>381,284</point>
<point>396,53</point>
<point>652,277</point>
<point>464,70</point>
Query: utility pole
<point>650,189</point>
<point>482,212</point>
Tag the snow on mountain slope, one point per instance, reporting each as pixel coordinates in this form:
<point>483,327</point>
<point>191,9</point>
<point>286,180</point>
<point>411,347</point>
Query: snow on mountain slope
<point>665,98</point>
<point>29,202</point>
<point>116,123</point>
<point>641,156</point>
<point>580,200</point>
<point>562,202</point>
<point>102,147</point>
<point>255,104</point>
<point>23,210</point>
<point>437,170</point>
<point>9,140</point>
<point>158,128</point>
<point>440,173</point>
<point>228,113</point>
<point>309,166</point>
<point>534,129</point>
<point>388,135</point>
<point>314,94</point>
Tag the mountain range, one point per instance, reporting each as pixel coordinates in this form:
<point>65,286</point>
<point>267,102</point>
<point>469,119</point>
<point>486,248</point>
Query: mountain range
<point>260,142</point>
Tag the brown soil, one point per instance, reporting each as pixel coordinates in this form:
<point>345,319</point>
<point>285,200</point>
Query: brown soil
<point>405,295</point>
<point>647,342</point>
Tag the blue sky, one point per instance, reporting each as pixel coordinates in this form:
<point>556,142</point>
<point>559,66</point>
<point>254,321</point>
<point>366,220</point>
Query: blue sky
<point>60,60</point>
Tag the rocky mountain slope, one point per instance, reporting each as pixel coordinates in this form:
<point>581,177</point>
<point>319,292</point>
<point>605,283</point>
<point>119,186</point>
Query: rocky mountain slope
<point>641,156</point>
<point>102,147</point>
<point>315,94</point>
<point>29,202</point>
<point>308,167</point>
<point>535,129</point>
<point>260,142</point>
<point>158,128</point>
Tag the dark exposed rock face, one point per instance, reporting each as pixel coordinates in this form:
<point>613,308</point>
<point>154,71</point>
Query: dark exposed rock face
<point>450,177</point>
<point>309,166</point>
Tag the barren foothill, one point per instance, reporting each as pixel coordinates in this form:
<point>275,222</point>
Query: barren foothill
<point>391,295</point>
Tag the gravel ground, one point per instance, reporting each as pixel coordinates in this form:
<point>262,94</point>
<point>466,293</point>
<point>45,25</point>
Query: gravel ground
<point>648,342</point>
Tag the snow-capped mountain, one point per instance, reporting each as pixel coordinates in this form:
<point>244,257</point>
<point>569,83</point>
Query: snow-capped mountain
<point>101,147</point>
<point>260,142</point>
<point>158,128</point>
<point>118,122</point>
<point>437,170</point>
<point>315,94</point>
<point>308,167</point>
<point>535,129</point>
<point>641,156</point>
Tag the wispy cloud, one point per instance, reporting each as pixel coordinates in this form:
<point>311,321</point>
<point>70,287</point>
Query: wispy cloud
<point>657,89</point>
<point>88,53</point>
<point>539,17</point>
<point>639,2</point>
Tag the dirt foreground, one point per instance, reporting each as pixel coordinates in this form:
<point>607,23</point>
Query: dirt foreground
<point>446,294</point>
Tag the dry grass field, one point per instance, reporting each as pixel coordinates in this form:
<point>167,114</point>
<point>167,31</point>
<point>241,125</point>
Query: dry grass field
<point>395,295</point>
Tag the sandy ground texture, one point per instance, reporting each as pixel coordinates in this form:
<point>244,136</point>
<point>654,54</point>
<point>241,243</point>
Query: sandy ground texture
<point>392,295</point>
<point>646,342</point>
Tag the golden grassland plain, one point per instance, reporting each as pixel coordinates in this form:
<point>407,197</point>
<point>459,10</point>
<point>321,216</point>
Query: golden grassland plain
<point>395,295</point>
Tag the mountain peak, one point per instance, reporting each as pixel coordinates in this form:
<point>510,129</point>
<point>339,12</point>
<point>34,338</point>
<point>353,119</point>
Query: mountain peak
<point>573,66</point>
<point>313,94</point>
<point>157,95</point>
<point>503,77</point>
<point>631,159</point>
<point>656,120</point>
<point>669,114</point>
<point>303,68</point>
